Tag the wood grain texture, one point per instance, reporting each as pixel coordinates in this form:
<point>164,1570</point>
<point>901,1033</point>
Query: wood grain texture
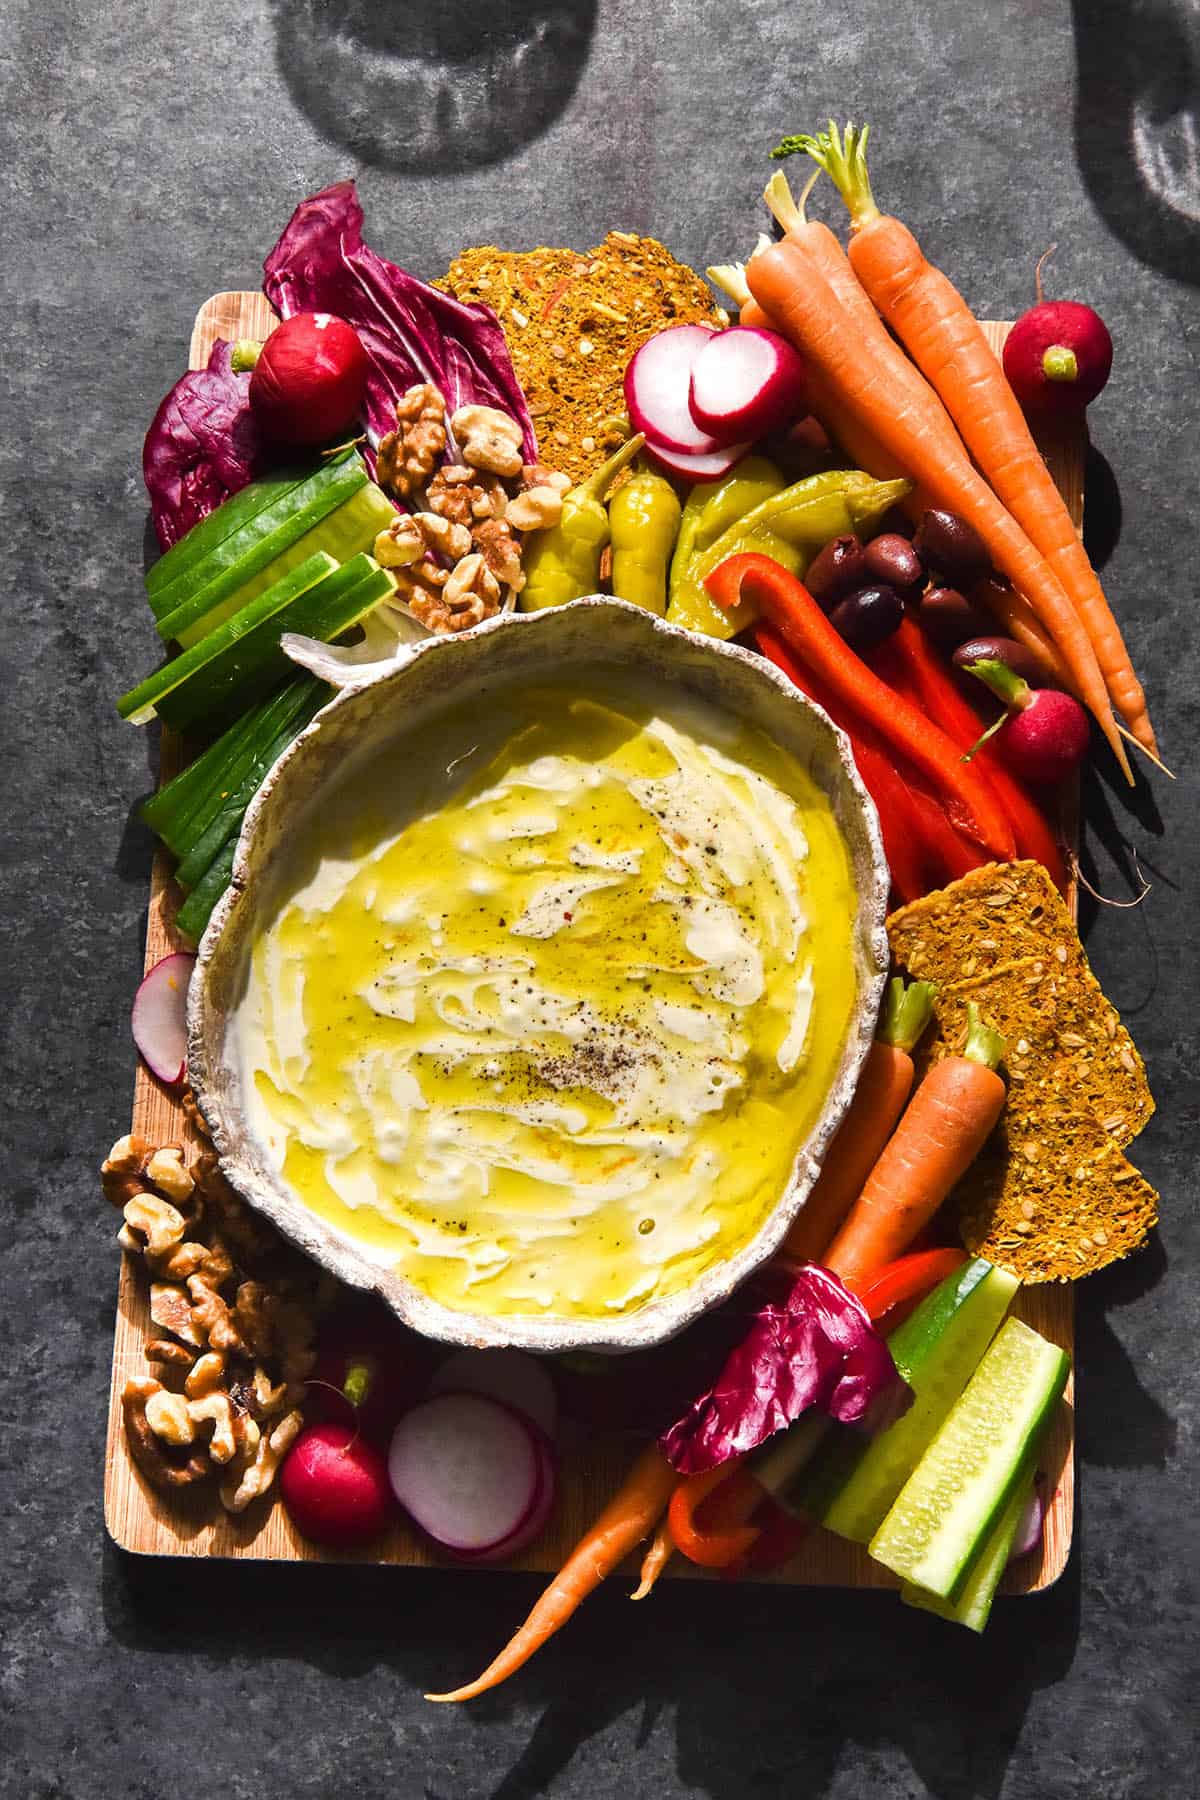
<point>146,1523</point>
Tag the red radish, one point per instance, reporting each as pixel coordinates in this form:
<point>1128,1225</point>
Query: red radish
<point>1057,357</point>
<point>510,1376</point>
<point>657,380</point>
<point>159,1017</point>
<point>1043,736</point>
<point>746,382</point>
<point>309,380</point>
<point>709,467</point>
<point>536,1522</point>
<point>335,1486</point>
<point>468,1471</point>
<point>1029,1527</point>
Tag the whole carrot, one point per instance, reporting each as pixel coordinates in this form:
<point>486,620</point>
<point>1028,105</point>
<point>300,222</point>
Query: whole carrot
<point>945,1126</point>
<point>943,336</point>
<point>787,604</point>
<point>921,439</point>
<point>879,1099</point>
<point>629,1517</point>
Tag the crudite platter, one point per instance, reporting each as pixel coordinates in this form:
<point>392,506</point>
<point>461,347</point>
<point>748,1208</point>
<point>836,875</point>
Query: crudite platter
<point>621,1078</point>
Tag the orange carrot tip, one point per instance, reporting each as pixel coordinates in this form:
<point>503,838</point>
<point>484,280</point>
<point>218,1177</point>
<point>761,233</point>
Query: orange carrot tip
<point>907,1010</point>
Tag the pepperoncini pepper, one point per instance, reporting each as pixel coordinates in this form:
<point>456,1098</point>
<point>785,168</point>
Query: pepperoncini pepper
<point>563,562</point>
<point>644,518</point>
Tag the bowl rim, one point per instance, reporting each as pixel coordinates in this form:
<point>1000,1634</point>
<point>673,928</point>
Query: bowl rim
<point>211,1069</point>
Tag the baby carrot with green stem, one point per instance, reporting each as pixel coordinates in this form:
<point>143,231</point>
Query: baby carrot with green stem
<point>944,1127</point>
<point>923,440</point>
<point>944,339</point>
<point>630,1515</point>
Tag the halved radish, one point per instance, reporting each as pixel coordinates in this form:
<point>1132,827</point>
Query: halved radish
<point>159,1018</point>
<point>745,383</point>
<point>708,467</point>
<point>468,1470</point>
<point>538,1518</point>
<point>510,1376</point>
<point>657,381</point>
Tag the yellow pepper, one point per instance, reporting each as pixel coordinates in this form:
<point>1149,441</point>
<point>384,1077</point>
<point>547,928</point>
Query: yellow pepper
<point>644,518</point>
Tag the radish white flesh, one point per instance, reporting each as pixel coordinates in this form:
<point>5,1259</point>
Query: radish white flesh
<point>538,1518</point>
<point>467,1470</point>
<point>159,1018</point>
<point>709,467</point>
<point>518,1380</point>
<point>745,383</point>
<point>657,381</point>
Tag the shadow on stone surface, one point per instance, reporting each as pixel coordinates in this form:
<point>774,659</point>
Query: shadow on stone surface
<point>1137,125</point>
<point>429,88</point>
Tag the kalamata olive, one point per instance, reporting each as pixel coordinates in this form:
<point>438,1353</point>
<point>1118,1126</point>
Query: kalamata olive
<point>835,570</point>
<point>867,616</point>
<point>950,547</point>
<point>950,619</point>
<point>1014,656</point>
<point>892,560</point>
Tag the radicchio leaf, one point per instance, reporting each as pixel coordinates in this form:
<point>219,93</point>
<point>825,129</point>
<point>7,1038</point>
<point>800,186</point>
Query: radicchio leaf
<point>815,1348</point>
<point>411,332</point>
<point>202,446</point>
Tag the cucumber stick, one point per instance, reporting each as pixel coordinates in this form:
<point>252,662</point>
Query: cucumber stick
<point>342,534</point>
<point>974,1603</point>
<point>184,558</point>
<point>225,581</point>
<point>197,909</point>
<point>251,662</point>
<point>143,702</point>
<point>936,1350</point>
<point>955,1496</point>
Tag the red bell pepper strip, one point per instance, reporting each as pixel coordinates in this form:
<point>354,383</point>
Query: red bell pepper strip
<point>910,1277</point>
<point>780,1535</point>
<point>787,603</point>
<point>724,1536</point>
<point>898,822</point>
<point>951,852</point>
<point>909,665</point>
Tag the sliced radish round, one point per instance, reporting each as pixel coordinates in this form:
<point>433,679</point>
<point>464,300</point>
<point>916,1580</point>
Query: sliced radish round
<point>538,1518</point>
<point>745,383</point>
<point>657,380</point>
<point>1029,1526</point>
<point>518,1380</point>
<point>159,1018</point>
<point>468,1471</point>
<point>708,467</point>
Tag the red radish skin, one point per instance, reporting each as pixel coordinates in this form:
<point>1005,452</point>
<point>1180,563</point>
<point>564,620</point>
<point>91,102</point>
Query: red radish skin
<point>657,381</point>
<point>159,1017</point>
<point>710,467</point>
<point>746,382</point>
<point>308,384</point>
<point>334,1484</point>
<point>537,1521</point>
<point>1058,357</point>
<point>1045,734</point>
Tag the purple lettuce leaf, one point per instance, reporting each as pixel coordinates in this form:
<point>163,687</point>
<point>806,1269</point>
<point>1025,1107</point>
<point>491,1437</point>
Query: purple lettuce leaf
<point>411,332</point>
<point>202,446</point>
<point>815,1348</point>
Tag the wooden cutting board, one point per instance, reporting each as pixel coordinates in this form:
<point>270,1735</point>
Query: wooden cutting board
<point>150,1524</point>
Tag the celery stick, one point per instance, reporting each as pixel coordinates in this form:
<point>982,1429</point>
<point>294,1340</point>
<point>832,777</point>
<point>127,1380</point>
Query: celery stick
<point>197,909</point>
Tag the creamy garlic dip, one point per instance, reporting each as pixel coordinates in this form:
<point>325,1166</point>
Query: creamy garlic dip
<point>542,1019</point>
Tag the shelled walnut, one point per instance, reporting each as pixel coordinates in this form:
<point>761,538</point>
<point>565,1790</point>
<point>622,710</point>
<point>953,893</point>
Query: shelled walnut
<point>235,1314</point>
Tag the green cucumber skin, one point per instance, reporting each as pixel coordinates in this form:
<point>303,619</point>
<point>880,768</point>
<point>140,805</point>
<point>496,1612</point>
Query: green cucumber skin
<point>980,1580</point>
<point>230,802</point>
<point>186,806</point>
<point>147,699</point>
<point>197,909</point>
<point>973,1450</point>
<point>852,1485</point>
<point>253,664</point>
<point>185,557</point>
<point>344,533</point>
<point>209,604</point>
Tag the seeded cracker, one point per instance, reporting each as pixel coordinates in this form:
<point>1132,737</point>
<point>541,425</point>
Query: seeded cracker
<point>572,322</point>
<point>1052,1197</point>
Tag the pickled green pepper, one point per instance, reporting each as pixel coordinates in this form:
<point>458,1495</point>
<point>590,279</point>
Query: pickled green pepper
<point>563,562</point>
<point>644,518</point>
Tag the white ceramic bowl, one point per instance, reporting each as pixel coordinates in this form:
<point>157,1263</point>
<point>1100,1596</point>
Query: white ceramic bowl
<point>517,649</point>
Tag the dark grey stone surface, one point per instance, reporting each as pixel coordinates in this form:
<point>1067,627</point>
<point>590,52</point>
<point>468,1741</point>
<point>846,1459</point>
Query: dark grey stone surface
<point>151,150</point>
